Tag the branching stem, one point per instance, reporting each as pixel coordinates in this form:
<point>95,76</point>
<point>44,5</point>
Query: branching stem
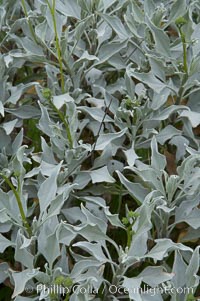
<point>29,22</point>
<point>53,14</point>
<point>19,203</point>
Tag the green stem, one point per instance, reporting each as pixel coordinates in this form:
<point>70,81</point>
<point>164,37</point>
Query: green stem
<point>129,236</point>
<point>62,118</point>
<point>184,55</point>
<point>184,51</point>
<point>181,90</point>
<point>29,23</point>
<point>64,64</point>
<point>19,202</point>
<point>52,11</point>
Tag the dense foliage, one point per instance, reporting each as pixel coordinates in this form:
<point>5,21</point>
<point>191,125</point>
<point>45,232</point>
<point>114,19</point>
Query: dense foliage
<point>99,150</point>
